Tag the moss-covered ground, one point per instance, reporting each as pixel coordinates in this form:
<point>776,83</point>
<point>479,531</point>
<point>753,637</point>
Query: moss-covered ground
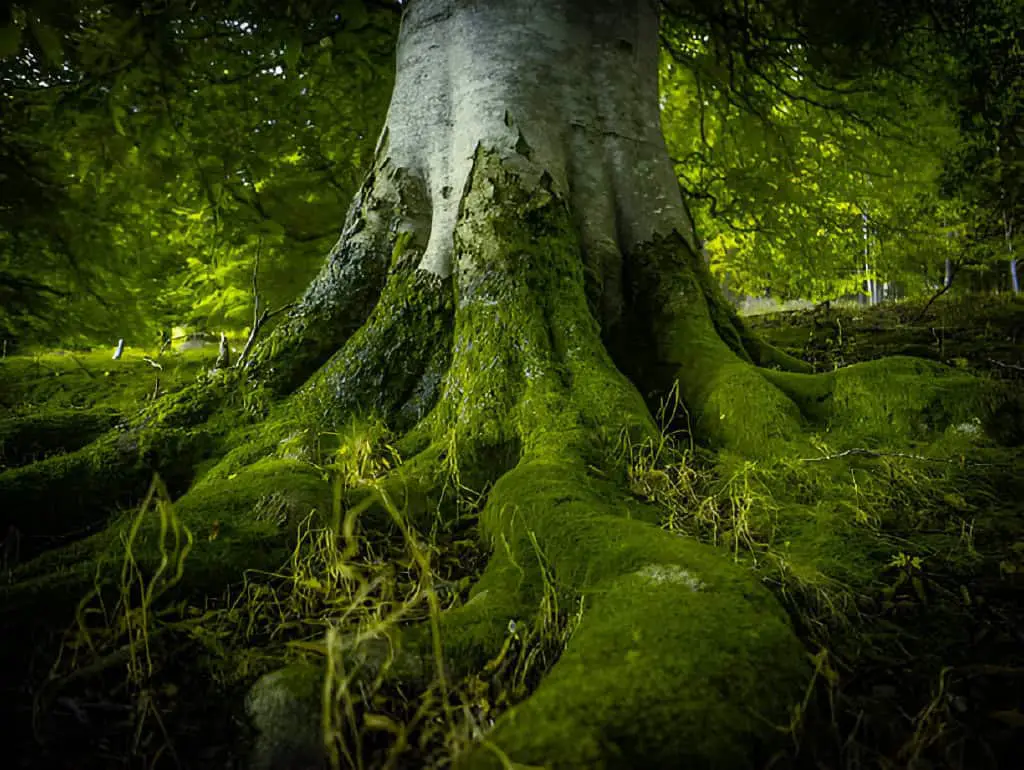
<point>904,578</point>
<point>65,379</point>
<point>931,673</point>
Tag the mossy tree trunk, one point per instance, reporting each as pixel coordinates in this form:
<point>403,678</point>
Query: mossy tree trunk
<point>516,287</point>
<point>538,289</point>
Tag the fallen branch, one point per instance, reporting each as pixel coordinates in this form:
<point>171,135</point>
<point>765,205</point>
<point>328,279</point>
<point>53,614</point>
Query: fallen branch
<point>858,451</point>
<point>952,274</point>
<point>1014,367</point>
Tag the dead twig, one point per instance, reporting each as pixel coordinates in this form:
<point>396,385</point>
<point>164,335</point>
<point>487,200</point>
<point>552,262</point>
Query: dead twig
<point>259,317</point>
<point>955,268</point>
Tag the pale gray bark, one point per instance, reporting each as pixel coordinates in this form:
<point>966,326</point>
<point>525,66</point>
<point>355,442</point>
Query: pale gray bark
<point>574,81</point>
<point>567,88</point>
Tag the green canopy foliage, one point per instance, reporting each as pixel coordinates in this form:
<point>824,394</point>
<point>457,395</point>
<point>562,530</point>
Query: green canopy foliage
<point>148,151</point>
<point>817,143</point>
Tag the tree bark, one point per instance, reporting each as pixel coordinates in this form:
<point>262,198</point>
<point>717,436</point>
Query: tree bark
<point>533,212</point>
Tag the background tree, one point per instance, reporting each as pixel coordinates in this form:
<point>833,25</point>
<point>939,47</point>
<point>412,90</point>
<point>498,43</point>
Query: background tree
<point>986,169</point>
<point>176,159</point>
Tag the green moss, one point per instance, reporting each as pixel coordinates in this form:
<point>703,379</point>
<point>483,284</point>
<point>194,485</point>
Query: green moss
<point>61,380</point>
<point>393,365</point>
<point>341,298</point>
<point>627,693</point>
<point>247,522</point>
<point>26,439</point>
<point>669,660</point>
<point>681,655</point>
<point>245,446</point>
<point>528,365</point>
<point>66,494</point>
<point>899,399</point>
<point>532,399</point>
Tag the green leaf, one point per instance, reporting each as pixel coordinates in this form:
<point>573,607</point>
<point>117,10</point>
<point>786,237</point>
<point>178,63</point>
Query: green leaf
<point>116,114</point>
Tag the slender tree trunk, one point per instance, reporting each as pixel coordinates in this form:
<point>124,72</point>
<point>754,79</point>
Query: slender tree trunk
<point>1008,227</point>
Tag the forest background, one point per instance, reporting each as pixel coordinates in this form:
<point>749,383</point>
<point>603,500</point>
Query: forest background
<point>179,167</point>
<point>147,185</point>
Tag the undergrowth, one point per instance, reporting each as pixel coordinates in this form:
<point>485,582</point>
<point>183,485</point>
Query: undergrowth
<point>916,652</point>
<point>340,586</point>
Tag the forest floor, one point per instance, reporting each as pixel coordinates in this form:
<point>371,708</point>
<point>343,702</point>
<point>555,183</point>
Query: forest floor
<point>931,674</point>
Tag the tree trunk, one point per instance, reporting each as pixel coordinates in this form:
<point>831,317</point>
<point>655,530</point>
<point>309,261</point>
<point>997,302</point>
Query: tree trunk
<point>1008,230</point>
<point>516,287</point>
<point>523,180</point>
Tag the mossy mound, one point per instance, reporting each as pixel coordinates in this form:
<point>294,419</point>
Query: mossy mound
<point>927,672</point>
<point>77,380</point>
<point>32,437</point>
<point>893,546</point>
<point>982,332</point>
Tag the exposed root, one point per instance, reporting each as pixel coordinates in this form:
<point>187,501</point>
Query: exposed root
<point>505,392</point>
<point>393,366</point>
<point>69,495</point>
<point>389,209</point>
<point>667,661</point>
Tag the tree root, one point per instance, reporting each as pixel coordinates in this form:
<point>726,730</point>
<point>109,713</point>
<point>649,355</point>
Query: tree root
<point>666,664</point>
